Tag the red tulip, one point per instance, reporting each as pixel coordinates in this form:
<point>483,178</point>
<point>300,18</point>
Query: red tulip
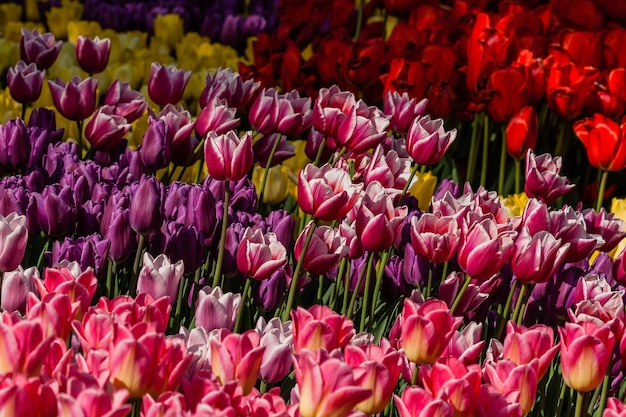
<point>508,87</point>
<point>521,132</point>
<point>568,87</point>
<point>604,141</point>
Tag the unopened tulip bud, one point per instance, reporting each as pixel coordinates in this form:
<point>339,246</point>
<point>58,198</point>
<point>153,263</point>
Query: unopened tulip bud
<point>93,54</point>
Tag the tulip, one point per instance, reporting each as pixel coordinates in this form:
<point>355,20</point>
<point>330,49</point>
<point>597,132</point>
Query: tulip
<point>178,121</point>
<point>326,193</point>
<point>435,237</point>
<point>517,383</point>
<point>474,295</point>
<point>402,110</point>
<point>155,150</point>
<point>614,408</point>
<point>417,402</point>
<point>80,286</point>
<point>537,257</point>
<point>166,84</point>
<point>567,88</point>
<point>287,114</point>
<point>95,330</point>
<point>466,345</point>
<point>216,117</point>
<point>482,239</point>
<point>229,85</point>
<point>24,345</point>
<point>93,54</point>
<point>508,86</point>
<point>237,357</point>
<point>611,228</point>
<point>330,110</point>
<point>184,243</point>
<point>604,141</point>
<point>105,129</point>
<point>378,222</point>
<point>216,309</point>
<point>15,146</point>
<point>13,240</point>
<point>542,178</point>
<point>586,350</point>
<point>425,329</point>
<point>40,49</point>
<point>325,249</point>
<point>15,288</point>
<point>142,309</point>
<point>362,128</point>
<point>522,345</point>
<point>159,277</point>
<point>76,99</point>
<point>327,386</point>
<point>259,256</point>
<point>120,234</point>
<point>149,192</point>
<point>53,313</point>
<point>228,157</point>
<point>319,327</point>
<point>277,338</point>
<point>427,140</point>
<point>25,82</point>
<point>126,102</point>
<point>569,225</point>
<point>521,132</point>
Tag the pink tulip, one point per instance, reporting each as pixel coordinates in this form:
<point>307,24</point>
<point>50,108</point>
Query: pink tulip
<point>126,102</point>
<point>543,179</point>
<point>95,330</point>
<point>377,369</point>
<point>159,277</point>
<point>106,129</point>
<point>517,383</point>
<point>402,110</point>
<point>54,313</point>
<point>493,404</point>
<point>15,288</point>
<point>13,239</point>
<point>130,311</point>
<point>259,256</point>
<point>386,167</point>
<point>466,345</point>
<point>435,237</point>
<point>586,350</point>
<point>327,386</point>
<point>325,249</point>
<point>362,129</point>
<point>484,239</point>
<point>216,117</point>
<point>277,338</point>
<point>93,54</point>
<point>76,99</point>
<point>607,225</point>
<point>614,408</point>
<point>287,114</point>
<point>237,357</point>
<point>228,157</point>
<point>537,257</point>
<point>228,85</point>
<point>426,330</point>
<point>94,401</point>
<point>568,225</point>
<point>216,309</point>
<point>166,84</point>
<point>330,109</point>
<point>320,327</point>
<point>30,397</point>
<point>522,345</point>
<point>417,402</point>
<point>23,345</point>
<point>427,140</point>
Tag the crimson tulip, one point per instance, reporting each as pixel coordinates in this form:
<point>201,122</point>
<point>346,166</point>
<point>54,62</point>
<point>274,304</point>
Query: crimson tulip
<point>604,140</point>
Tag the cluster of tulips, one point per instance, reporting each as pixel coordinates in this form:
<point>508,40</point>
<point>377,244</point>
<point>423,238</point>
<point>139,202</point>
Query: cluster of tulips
<point>266,251</point>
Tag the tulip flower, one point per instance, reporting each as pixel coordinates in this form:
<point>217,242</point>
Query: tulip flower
<point>13,240</point>
<point>324,250</point>
<point>466,345</point>
<point>522,345</point>
<point>614,408</point>
<point>216,117</point>
<point>15,146</point>
<point>326,193</point>
<point>25,82</point>
<point>537,257</point>
<point>166,84</point>
<point>287,114</point>
<point>126,102</point>
<point>93,54</point>
<point>476,292</point>
<point>15,288</point>
<point>435,237</point>
<point>69,279</point>
<point>567,88</point>
<point>277,339</point>
<point>76,99</point>
<point>105,129</point>
<point>402,110</point>
<point>378,222</point>
<point>259,256</point>
<point>425,330</point>
<point>149,192</point>
<point>24,345</point>
<point>586,350</point>
<point>39,49</point>
<point>427,140</point>
<point>611,228</point>
<point>156,145</point>
<point>517,383</point>
<point>604,141</point>
<point>228,157</point>
<point>159,277</point>
<point>542,177</point>
<point>237,357</point>
<point>508,86</point>
<point>521,132</point>
<point>216,309</point>
<point>417,402</point>
<point>327,386</point>
<point>319,327</point>
<point>178,121</point>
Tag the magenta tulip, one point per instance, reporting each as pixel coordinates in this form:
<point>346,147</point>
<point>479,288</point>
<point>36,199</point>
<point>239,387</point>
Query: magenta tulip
<point>76,99</point>
<point>259,256</point>
<point>427,140</point>
<point>166,84</point>
<point>228,157</point>
<point>105,129</point>
<point>25,82</point>
<point>93,54</point>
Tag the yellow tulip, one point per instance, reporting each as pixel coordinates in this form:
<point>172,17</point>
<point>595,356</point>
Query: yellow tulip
<point>9,109</point>
<point>138,129</point>
<point>276,186</point>
<point>59,17</point>
<point>618,207</point>
<point>515,204</point>
<point>423,189</point>
<point>9,54</point>
<point>87,28</point>
<point>9,12</point>
<point>169,27</point>
<point>159,48</point>
<point>300,160</point>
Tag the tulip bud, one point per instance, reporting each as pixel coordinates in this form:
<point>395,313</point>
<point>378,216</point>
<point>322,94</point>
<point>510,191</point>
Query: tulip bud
<point>105,129</point>
<point>93,54</point>
<point>521,132</point>
<point>155,150</point>
<point>427,140</point>
<point>166,84</point>
<point>76,99</point>
<point>40,49</point>
<point>25,82</point>
<point>15,288</point>
<point>228,157</point>
<point>15,145</point>
<point>146,209</point>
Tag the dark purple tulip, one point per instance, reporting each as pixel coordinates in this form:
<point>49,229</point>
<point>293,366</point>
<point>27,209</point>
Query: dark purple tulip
<point>415,269</point>
<point>116,174</point>
<point>88,217</point>
<point>234,235</point>
<point>146,208</point>
<point>166,84</point>
<point>200,211</point>
<point>119,233</point>
<point>263,147</point>
<point>40,49</point>
<point>155,150</point>
<point>25,82</point>
<point>14,145</point>
<point>21,201</point>
<point>56,210</point>
<point>282,224</point>
<point>270,292</point>
<point>93,54</point>
<point>184,243</point>
<point>393,285</point>
<point>117,201</point>
<point>236,29</point>
<point>131,159</point>
<point>126,102</point>
<point>76,99</point>
<point>182,152</point>
<point>89,252</point>
<point>557,295</point>
<point>243,195</point>
<point>79,184</point>
<point>35,180</point>
<point>314,142</point>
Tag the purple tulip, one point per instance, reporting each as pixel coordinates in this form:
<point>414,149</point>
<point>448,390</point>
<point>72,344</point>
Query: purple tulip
<point>543,179</point>
<point>537,256</point>
<point>93,54</point>
<point>25,82</point>
<point>166,84</point>
<point>229,85</point>
<point>90,251</point>
<point>56,210</point>
<point>155,150</point>
<point>263,147</point>
<point>282,224</point>
<point>40,49</point>
<point>76,99</point>
<point>270,292</point>
<point>186,244</point>
<point>146,208</point>
<point>120,234</point>
<point>178,121</point>
<point>15,145</point>
<point>568,225</point>
<point>126,102</point>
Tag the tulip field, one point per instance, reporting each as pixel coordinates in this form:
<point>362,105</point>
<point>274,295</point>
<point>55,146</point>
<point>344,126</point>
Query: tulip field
<point>321,208</point>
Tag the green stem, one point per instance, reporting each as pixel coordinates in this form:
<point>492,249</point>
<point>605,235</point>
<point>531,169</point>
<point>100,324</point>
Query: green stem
<point>133,284</point>
<point>179,306</point>
<point>359,20</point>
<point>196,178</point>
<point>561,401</point>
<point>267,170</point>
<point>346,291</point>
<point>473,152</point>
<point>558,150</point>
<point>485,162</point>
<point>379,280</point>
<point>430,280</point>
<point>46,246</point>
<point>24,107</point>
<point>502,164</point>
<point>220,255</point>
<point>366,295</point>
<point>457,300</point>
<point>79,140</point>
<point>505,313</point>
<point>414,376</point>
<point>320,289</point>
<point>605,386</point>
<point>358,286</point>
<point>580,400</point>
<point>414,169</point>
<point>338,282</point>
<point>518,176</point>
<point>109,282</point>
<point>244,299</point>
<point>601,189</point>
<point>294,281</point>
<point>519,303</point>
<point>320,151</point>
